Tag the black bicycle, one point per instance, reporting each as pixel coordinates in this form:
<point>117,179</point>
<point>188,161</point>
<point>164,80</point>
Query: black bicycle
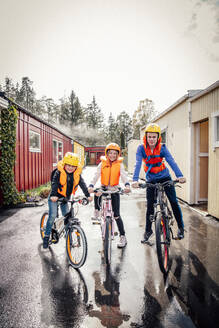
<point>164,221</point>
<point>68,225</point>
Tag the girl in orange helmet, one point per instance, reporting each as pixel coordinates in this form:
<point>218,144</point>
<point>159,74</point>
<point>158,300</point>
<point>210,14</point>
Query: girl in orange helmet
<point>110,170</point>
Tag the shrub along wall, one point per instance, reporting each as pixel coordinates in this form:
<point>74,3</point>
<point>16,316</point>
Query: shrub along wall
<point>8,155</point>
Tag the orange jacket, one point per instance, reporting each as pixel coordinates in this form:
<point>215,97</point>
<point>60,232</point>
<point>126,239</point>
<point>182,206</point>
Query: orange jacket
<point>110,171</point>
<point>153,162</point>
<point>63,179</point>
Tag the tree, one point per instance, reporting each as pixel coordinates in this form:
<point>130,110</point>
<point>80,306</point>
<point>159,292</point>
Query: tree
<point>112,134</point>
<point>64,111</point>
<point>143,115</point>
<point>75,109</point>
<point>124,128</point>
<point>94,116</point>
<point>27,93</point>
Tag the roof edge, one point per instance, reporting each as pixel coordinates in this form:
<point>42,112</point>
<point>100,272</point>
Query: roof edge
<point>205,91</point>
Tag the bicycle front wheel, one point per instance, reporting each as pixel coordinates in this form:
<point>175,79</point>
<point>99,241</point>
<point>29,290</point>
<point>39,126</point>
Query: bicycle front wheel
<point>43,223</point>
<point>76,246</point>
<point>108,241</point>
<point>162,244</point>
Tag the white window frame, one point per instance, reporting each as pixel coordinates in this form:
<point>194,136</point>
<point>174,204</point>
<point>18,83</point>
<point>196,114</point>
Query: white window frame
<point>57,150</point>
<point>34,149</point>
<point>164,130</point>
<point>215,128</point>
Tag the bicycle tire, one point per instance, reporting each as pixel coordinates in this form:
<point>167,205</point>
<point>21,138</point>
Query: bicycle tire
<point>162,244</point>
<point>108,241</point>
<point>76,246</point>
<point>43,222</point>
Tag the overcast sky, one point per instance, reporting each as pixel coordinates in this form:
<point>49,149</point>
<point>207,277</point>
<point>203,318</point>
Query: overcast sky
<point>121,51</point>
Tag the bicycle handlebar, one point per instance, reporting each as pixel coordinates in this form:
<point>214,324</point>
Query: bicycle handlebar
<point>104,190</point>
<point>81,200</point>
<point>154,185</point>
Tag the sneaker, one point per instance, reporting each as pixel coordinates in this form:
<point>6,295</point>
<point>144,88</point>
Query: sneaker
<point>180,233</point>
<point>146,237</point>
<point>122,243</point>
<point>96,216</point>
<point>46,242</point>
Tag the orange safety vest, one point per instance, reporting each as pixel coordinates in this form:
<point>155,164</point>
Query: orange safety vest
<point>63,179</point>
<point>110,171</point>
<point>153,162</point>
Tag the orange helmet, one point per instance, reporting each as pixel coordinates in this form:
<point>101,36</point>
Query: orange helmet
<point>112,146</point>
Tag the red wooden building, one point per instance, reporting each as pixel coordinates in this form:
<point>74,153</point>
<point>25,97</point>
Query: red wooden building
<point>93,154</point>
<point>39,147</point>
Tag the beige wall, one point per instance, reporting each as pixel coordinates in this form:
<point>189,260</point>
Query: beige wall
<point>132,148</point>
<point>202,108</point>
<point>176,124</point>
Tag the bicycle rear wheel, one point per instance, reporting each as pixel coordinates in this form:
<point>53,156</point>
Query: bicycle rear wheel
<point>108,241</point>
<point>162,244</point>
<point>76,246</point>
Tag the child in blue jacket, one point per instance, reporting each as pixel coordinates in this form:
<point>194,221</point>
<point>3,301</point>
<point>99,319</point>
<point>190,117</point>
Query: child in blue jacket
<point>152,153</point>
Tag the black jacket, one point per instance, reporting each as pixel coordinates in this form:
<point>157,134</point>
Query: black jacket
<point>55,184</point>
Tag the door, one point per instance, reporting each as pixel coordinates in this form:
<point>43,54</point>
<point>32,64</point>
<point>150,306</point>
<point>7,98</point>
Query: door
<point>202,162</point>
<point>92,158</point>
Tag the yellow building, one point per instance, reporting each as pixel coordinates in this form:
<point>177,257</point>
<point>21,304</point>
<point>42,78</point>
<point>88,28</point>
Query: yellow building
<point>79,149</point>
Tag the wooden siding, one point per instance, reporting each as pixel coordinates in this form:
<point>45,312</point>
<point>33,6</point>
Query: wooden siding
<point>34,168</point>
<point>205,105</point>
<point>202,108</point>
<point>79,149</point>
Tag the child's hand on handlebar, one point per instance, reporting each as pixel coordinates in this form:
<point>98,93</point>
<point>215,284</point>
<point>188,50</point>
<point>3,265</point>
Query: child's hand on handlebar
<point>135,184</point>
<point>90,198</point>
<point>127,189</point>
<point>54,199</point>
<point>90,190</point>
<point>182,180</point>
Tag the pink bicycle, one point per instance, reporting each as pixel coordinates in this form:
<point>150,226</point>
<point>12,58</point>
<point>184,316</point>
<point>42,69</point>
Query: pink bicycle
<point>107,220</point>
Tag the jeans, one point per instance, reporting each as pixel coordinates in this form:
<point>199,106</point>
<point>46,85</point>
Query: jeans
<point>53,210</point>
<point>171,195</point>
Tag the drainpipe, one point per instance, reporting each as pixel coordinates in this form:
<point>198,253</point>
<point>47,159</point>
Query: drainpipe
<point>190,178</point>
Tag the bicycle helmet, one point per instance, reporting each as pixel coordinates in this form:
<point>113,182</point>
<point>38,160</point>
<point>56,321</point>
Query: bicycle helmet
<point>113,146</point>
<point>71,159</point>
<point>153,127</point>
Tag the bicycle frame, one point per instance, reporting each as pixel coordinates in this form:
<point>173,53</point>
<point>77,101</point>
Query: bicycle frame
<point>107,213</point>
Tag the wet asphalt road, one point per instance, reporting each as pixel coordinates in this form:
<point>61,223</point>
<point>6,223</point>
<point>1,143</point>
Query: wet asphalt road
<point>39,289</point>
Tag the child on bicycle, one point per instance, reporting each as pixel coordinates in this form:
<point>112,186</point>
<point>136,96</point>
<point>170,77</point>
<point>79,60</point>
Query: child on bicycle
<point>65,181</point>
<point>152,153</point>
<point>110,170</point>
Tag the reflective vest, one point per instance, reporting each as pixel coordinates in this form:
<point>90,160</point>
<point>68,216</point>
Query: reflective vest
<point>110,171</point>
<point>63,179</point>
<point>153,162</point>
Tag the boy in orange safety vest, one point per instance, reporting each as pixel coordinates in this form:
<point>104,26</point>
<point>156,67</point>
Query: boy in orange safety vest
<point>65,182</point>
<point>110,170</point>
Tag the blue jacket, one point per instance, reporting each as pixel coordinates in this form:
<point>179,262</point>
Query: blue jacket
<point>140,154</point>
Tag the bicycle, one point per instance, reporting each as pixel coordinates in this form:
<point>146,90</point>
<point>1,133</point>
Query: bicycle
<point>68,225</point>
<point>107,220</point>
<point>163,219</point>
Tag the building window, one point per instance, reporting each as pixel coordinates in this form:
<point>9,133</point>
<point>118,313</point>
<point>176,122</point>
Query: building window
<point>57,151</point>
<point>215,130</point>
<point>34,141</point>
<point>163,136</point>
